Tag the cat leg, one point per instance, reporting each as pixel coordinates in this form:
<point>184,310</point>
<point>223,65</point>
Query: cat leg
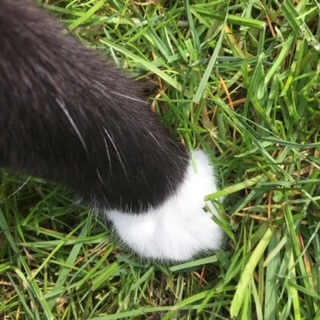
<point>70,116</point>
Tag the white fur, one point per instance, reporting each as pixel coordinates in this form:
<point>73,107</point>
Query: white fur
<point>179,229</point>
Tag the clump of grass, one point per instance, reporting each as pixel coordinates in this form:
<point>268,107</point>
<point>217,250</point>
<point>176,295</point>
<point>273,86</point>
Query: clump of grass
<point>238,79</point>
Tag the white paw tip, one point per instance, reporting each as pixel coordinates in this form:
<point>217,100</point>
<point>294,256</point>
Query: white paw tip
<point>179,229</point>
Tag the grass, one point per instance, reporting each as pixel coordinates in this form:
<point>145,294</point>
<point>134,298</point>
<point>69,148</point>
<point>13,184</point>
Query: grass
<point>239,79</point>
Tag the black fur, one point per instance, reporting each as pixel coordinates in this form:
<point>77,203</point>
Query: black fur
<point>69,116</point>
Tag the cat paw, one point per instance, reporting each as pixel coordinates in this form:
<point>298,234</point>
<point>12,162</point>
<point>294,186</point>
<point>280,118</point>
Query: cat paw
<point>179,229</point>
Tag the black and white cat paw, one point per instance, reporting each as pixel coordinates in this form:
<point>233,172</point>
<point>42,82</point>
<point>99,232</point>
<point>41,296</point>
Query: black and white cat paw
<point>179,229</point>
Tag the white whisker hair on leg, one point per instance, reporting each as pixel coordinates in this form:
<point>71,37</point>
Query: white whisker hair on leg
<point>63,107</point>
<point>116,150</point>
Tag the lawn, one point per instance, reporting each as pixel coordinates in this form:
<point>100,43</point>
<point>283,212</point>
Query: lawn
<point>239,79</point>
